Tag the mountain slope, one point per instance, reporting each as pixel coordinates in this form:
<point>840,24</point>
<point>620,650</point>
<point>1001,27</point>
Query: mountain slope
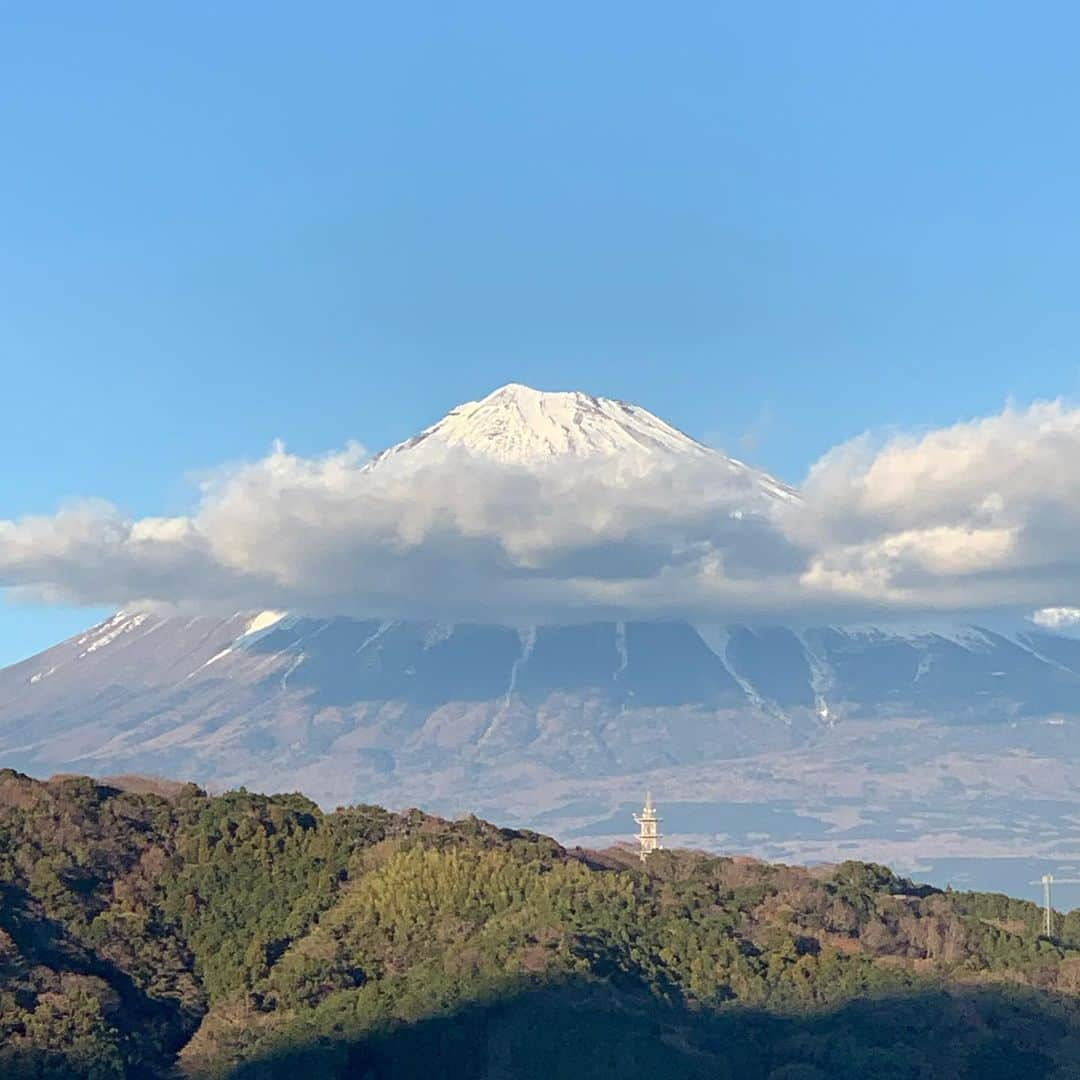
<point>563,726</point>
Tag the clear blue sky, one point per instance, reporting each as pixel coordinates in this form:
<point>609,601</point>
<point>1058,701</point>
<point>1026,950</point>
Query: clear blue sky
<point>774,224</point>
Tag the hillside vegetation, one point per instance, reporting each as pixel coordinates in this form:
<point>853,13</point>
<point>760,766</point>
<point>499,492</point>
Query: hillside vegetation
<point>244,937</point>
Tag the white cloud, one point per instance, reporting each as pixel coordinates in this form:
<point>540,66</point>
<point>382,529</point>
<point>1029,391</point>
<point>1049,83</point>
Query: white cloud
<point>979,515</point>
<point>1054,618</point>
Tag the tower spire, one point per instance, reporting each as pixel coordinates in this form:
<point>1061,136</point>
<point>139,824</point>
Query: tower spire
<point>648,826</point>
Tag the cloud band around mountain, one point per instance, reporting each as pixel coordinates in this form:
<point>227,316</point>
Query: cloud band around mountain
<point>977,516</point>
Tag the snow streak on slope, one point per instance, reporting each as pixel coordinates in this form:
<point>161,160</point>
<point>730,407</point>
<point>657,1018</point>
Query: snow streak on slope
<point>717,638</point>
<point>256,627</point>
<point>821,681</point>
<point>263,621</point>
<point>122,622</point>
<point>527,636</point>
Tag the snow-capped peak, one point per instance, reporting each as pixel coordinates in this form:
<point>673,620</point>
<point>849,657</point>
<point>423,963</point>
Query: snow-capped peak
<point>519,426</point>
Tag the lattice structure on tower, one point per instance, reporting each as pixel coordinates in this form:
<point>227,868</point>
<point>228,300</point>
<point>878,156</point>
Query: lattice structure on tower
<point>648,828</point>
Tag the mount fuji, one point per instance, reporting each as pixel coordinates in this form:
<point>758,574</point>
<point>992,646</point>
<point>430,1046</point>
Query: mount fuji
<point>522,428</point>
<point>936,743</point>
<point>517,425</point>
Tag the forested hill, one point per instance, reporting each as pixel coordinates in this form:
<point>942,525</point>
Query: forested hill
<point>170,934</point>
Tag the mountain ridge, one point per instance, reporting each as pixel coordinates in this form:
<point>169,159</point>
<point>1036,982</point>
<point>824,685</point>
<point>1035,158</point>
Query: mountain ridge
<point>150,936</point>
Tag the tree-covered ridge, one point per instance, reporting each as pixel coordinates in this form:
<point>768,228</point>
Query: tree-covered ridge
<point>154,935</point>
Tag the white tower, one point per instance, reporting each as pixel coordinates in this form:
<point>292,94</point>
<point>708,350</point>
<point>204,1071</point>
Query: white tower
<point>1047,881</point>
<point>648,824</point>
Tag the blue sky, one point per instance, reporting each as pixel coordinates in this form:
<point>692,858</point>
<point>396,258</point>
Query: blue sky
<point>774,225</point>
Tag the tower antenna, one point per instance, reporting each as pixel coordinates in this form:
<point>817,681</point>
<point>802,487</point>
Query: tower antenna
<point>1048,881</point>
<point>648,826</point>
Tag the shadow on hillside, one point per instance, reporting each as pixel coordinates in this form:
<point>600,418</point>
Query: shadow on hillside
<point>591,1031</point>
<point>47,956</point>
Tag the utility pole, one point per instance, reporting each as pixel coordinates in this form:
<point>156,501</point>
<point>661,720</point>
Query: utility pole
<point>1048,881</point>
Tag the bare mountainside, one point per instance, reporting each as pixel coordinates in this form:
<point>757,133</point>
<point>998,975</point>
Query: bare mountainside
<point>811,744</point>
<point>912,745</point>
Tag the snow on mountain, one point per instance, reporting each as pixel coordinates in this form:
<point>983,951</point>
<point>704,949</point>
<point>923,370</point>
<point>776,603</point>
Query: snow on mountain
<point>518,425</point>
<point>123,622</point>
<point>522,427</point>
<point>320,684</point>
